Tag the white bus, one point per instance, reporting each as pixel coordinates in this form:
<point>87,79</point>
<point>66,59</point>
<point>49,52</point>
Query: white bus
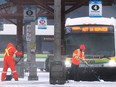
<point>98,34</point>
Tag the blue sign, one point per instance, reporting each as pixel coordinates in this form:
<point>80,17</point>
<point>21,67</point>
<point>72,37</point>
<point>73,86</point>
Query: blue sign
<point>29,13</point>
<point>42,22</point>
<point>68,30</point>
<point>95,8</point>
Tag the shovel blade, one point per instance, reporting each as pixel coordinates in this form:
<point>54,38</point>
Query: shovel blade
<point>8,77</point>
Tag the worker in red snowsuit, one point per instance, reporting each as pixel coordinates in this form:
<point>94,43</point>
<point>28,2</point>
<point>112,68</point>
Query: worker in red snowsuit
<point>9,61</point>
<point>78,55</point>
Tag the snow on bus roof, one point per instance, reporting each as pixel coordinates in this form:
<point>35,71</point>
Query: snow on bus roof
<point>89,20</point>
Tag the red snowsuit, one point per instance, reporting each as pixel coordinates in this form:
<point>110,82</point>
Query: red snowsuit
<point>9,61</point>
<point>77,55</point>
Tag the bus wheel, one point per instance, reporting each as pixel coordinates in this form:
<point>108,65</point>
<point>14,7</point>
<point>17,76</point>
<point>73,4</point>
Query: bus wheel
<point>48,61</point>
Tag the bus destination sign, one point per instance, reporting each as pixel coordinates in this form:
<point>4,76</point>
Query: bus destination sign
<point>92,29</point>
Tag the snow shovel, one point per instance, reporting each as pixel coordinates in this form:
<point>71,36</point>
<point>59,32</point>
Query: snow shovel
<point>93,71</point>
<point>9,77</point>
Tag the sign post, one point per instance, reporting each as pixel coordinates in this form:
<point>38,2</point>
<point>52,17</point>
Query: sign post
<point>31,48</point>
<point>29,16</point>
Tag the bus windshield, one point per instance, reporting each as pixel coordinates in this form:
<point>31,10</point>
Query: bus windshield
<point>97,44</point>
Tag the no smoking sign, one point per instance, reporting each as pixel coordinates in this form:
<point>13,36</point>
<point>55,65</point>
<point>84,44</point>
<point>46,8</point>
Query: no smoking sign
<point>42,22</point>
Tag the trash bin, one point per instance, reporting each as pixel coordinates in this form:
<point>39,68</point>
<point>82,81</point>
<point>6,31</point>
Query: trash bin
<point>57,73</point>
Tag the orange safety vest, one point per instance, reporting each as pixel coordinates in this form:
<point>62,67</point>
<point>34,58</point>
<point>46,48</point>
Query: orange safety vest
<point>6,51</point>
<point>77,55</point>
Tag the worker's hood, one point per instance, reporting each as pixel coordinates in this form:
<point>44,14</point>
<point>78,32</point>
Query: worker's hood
<point>10,45</point>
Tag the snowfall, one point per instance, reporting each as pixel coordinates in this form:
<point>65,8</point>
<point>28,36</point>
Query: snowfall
<point>43,81</point>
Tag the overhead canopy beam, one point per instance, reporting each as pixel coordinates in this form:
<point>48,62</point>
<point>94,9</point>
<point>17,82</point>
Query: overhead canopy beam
<point>6,5</point>
<point>78,4</point>
<point>15,16</point>
<point>33,2</point>
<point>44,6</point>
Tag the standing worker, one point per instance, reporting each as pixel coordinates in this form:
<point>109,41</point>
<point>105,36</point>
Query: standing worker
<point>9,61</point>
<point>78,55</point>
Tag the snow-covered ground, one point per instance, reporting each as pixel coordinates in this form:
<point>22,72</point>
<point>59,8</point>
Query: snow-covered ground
<point>44,82</point>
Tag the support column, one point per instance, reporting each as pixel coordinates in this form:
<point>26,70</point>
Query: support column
<point>19,45</point>
<point>57,30</point>
<point>31,48</point>
<point>62,27</point>
<point>57,69</point>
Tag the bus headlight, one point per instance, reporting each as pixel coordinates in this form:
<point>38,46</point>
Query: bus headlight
<point>67,63</point>
<point>112,63</point>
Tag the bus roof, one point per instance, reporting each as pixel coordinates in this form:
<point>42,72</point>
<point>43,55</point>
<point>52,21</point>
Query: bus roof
<point>89,20</point>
